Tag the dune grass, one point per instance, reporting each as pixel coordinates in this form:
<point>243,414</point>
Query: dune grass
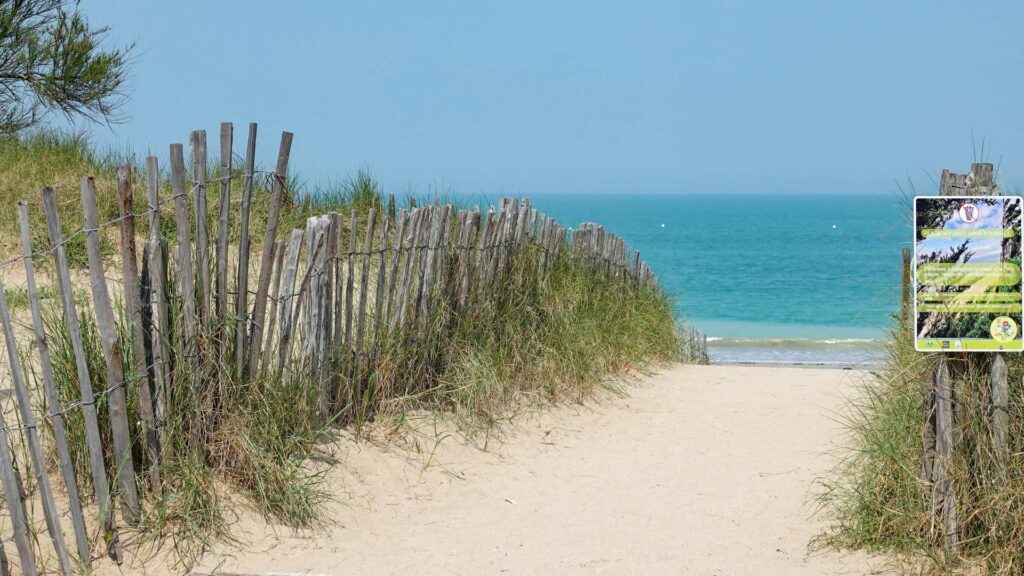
<point>30,161</point>
<point>552,338</point>
<point>877,499</point>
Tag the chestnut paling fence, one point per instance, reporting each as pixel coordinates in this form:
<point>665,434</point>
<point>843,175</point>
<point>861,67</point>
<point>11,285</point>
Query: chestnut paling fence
<point>319,304</point>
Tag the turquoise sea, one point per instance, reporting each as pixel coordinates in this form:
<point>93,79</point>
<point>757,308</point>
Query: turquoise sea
<point>769,278</point>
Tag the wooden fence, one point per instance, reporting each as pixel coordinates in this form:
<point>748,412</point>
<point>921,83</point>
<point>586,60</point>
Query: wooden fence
<point>694,344</point>
<point>191,305</point>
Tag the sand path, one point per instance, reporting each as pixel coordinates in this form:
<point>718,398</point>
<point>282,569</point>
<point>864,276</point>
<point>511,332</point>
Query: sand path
<point>702,470</point>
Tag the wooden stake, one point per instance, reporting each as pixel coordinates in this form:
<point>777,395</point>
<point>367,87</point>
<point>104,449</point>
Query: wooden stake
<point>286,297</point>
<point>999,381</point>
<point>402,298</point>
<point>286,347</point>
<point>153,196</point>
<point>275,299</point>
<point>338,251</point>
<point>160,335</point>
<point>186,274</point>
<point>133,308</point>
<point>364,278</point>
<point>243,326</point>
<point>432,234</point>
<point>943,495</point>
<point>396,258</point>
<point>100,486</point>
<point>483,247</point>
<point>198,154</point>
<point>266,261</point>
<point>35,448</point>
<point>15,507</point>
<point>350,280</point>
<point>315,329</point>
<point>378,301</point>
<point>60,436</point>
<point>107,325</point>
<point>220,296</point>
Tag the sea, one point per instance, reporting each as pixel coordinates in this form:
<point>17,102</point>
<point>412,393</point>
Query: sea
<point>769,278</point>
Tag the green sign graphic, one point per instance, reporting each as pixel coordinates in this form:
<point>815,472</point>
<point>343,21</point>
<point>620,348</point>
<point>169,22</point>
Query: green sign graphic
<point>967,275</point>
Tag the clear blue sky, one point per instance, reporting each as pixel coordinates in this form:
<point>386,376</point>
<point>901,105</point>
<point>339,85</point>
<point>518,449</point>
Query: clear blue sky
<point>525,97</point>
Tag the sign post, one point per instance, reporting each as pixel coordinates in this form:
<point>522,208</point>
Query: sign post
<point>967,298</point>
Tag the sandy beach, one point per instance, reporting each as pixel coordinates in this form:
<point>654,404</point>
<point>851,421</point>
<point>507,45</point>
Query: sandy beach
<point>699,470</point>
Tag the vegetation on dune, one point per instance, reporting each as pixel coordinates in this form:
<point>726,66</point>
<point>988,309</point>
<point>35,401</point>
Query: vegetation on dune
<point>29,161</point>
<point>550,338</point>
<point>879,498</point>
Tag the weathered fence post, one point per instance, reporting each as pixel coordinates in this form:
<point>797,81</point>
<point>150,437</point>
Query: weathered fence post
<point>364,279</point>
<point>160,315</point>
<point>275,301</point>
<point>197,148</point>
<point>466,257</point>
<point>483,252</point>
<point>15,506</point>
<point>220,296</point>
<point>350,278</point>
<point>396,258</point>
<point>336,254</point>
<point>60,436</point>
<point>980,182</point>
<point>906,303</point>
<point>316,327</point>
<point>378,300</point>
<point>999,381</point>
<point>92,429</point>
<point>287,295</point>
<point>107,325</point>
<point>186,274</point>
<point>286,345</point>
<point>133,307</point>
<point>437,222</point>
<point>402,298</point>
<point>35,447</point>
<point>941,405</point>
<point>242,327</point>
<point>266,258</point>
<point>934,470</point>
<point>944,495</point>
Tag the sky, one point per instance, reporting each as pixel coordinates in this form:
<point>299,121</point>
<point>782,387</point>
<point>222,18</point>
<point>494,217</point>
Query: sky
<point>653,97</point>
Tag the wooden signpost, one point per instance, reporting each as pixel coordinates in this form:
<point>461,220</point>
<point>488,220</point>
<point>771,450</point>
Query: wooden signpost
<point>949,375</point>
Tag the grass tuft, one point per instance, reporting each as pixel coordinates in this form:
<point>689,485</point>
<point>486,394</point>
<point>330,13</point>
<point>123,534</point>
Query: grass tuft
<point>877,499</point>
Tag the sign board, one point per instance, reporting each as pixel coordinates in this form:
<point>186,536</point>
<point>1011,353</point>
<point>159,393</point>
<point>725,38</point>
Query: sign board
<point>967,275</point>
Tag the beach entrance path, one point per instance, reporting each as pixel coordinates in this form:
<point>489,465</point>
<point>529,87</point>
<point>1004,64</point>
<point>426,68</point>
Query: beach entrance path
<point>701,470</point>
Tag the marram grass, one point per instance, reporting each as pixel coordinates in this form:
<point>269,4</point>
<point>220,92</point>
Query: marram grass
<point>876,499</point>
<point>553,338</point>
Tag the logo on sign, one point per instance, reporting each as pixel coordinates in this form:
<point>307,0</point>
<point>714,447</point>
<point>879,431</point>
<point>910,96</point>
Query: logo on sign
<point>968,213</point>
<point>1003,329</point>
